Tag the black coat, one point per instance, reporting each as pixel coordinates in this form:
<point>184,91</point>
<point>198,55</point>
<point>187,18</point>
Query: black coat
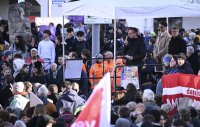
<point>38,79</point>
<point>136,49</point>
<point>194,61</point>
<point>79,46</point>
<point>54,97</point>
<point>70,44</point>
<point>58,80</point>
<point>185,68</point>
<point>176,45</point>
<point>59,50</point>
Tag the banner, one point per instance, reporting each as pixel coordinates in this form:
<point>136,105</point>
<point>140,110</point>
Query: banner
<point>130,75</point>
<point>73,69</point>
<point>176,86</point>
<point>34,100</point>
<point>96,112</point>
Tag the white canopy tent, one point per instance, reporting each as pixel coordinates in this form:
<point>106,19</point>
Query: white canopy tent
<point>118,9</point>
<point>132,8</point>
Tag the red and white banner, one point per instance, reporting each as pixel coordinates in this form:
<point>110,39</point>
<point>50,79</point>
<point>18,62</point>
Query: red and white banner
<point>178,85</point>
<point>96,112</point>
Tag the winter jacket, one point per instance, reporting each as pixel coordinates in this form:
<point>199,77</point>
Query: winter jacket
<point>79,46</point>
<point>70,99</point>
<point>185,68</point>
<point>176,45</point>
<point>96,71</point>
<point>136,49</point>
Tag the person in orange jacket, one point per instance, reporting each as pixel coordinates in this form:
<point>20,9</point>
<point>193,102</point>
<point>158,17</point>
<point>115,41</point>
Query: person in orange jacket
<point>119,69</point>
<point>96,71</point>
<point>108,63</point>
<point>109,66</point>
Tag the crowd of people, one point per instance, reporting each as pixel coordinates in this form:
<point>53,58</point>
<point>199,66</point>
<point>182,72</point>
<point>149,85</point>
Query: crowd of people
<point>36,66</point>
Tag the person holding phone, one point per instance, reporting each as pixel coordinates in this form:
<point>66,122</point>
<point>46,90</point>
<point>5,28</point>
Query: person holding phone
<point>134,48</point>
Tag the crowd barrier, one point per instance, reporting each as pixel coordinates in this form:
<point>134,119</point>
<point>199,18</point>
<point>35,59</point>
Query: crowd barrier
<point>92,60</point>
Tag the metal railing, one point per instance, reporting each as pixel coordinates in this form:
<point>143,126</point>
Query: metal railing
<point>115,74</point>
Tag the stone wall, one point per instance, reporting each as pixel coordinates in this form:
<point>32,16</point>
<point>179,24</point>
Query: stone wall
<point>18,21</point>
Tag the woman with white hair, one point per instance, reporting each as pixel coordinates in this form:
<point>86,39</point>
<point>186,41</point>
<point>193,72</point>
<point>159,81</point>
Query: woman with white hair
<point>148,100</point>
<point>17,66</point>
<point>19,101</point>
<point>42,93</point>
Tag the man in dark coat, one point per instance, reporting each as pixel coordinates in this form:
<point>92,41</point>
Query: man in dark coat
<point>55,76</point>
<point>134,47</point>
<point>192,58</point>
<point>183,65</point>
<point>80,43</point>
<point>177,44</point>
<point>70,40</point>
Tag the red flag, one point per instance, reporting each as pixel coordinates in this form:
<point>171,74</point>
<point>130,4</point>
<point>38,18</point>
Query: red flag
<point>96,112</point>
<point>178,86</point>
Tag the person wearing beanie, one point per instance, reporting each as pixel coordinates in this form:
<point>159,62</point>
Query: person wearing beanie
<point>38,65</point>
<point>19,101</point>
<point>7,53</point>
<point>166,61</point>
<point>7,57</point>
<point>171,70</point>
<point>34,57</point>
<point>37,74</point>
<point>183,65</point>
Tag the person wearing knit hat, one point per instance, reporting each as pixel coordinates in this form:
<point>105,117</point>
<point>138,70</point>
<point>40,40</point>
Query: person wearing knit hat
<point>181,56</point>
<point>34,57</point>
<point>18,87</point>
<point>34,50</point>
<point>183,65</point>
<point>37,74</point>
<point>19,101</point>
<point>7,53</point>
<point>166,59</point>
<point>38,65</point>
<point>99,58</point>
